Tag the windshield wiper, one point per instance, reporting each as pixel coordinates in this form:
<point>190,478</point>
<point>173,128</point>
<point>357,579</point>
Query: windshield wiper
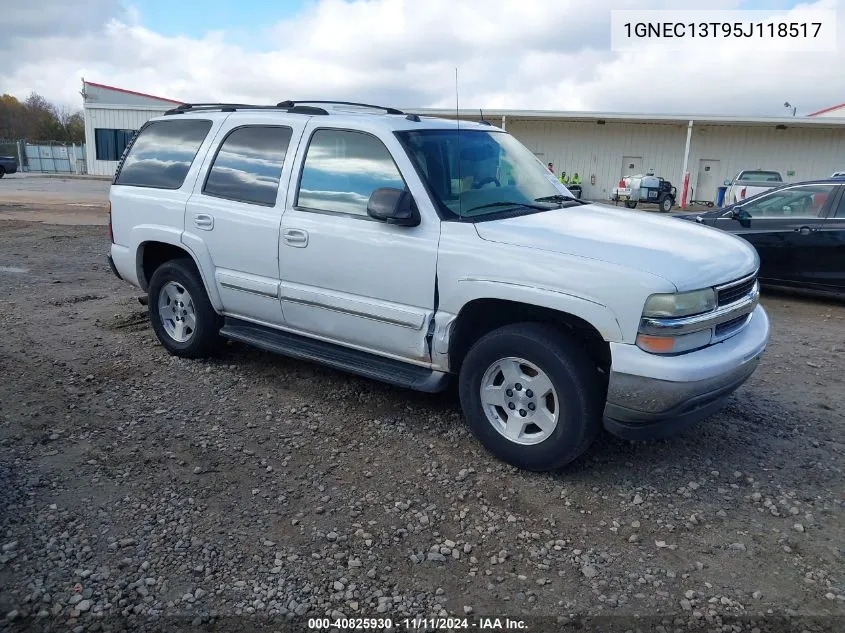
<point>505,203</point>
<point>558,197</point>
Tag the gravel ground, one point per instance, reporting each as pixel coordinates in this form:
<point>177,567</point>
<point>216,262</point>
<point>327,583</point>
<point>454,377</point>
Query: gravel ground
<point>136,485</point>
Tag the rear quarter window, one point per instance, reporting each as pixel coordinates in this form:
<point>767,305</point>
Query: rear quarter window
<point>162,154</point>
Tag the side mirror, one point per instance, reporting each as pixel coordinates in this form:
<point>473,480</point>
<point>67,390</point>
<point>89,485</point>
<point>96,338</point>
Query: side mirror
<point>742,216</point>
<point>393,206</point>
<point>727,183</point>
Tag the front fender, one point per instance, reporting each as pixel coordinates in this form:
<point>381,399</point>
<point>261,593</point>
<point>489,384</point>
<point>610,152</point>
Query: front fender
<point>471,289</point>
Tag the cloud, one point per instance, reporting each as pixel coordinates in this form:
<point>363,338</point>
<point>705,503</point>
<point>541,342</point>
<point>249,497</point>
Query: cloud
<point>546,54</point>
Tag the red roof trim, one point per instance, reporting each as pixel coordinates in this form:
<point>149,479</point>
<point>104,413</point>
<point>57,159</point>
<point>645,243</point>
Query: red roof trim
<point>836,107</point>
<point>131,92</point>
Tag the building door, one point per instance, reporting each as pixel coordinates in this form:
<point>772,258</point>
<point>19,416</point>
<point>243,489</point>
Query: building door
<point>631,166</point>
<point>708,180</point>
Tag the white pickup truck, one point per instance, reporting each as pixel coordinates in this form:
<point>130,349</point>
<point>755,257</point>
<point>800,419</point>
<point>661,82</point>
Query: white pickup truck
<point>750,182</point>
<point>418,251</point>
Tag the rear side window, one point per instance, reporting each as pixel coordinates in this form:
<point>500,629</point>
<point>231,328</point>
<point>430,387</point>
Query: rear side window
<point>163,153</point>
<point>248,165</point>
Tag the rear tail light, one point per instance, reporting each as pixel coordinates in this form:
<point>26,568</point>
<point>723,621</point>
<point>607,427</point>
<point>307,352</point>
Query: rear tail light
<point>111,233</point>
<point>742,193</point>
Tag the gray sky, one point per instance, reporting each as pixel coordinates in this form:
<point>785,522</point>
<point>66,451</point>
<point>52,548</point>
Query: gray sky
<point>539,54</point>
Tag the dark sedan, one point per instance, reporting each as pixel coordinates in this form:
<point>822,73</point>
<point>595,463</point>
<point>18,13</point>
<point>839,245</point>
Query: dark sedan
<point>798,230</point>
<point>8,165</point>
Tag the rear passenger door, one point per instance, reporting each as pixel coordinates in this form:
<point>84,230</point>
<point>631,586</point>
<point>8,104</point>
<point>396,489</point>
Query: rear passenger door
<point>347,277</point>
<point>236,208</point>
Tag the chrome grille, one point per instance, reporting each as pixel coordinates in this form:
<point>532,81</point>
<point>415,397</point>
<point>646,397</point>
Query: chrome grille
<point>729,293</point>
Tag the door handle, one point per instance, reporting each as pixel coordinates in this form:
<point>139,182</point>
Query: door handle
<point>804,230</point>
<point>204,221</point>
<point>295,237</point>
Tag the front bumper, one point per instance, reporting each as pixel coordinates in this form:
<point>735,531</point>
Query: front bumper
<point>651,396</point>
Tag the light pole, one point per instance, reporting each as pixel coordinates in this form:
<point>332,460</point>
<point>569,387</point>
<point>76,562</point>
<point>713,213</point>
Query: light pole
<point>788,105</point>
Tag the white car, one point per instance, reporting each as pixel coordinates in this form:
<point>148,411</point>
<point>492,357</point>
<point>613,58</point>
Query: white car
<point>418,251</point>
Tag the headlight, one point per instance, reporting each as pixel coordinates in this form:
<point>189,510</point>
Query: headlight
<point>667,306</point>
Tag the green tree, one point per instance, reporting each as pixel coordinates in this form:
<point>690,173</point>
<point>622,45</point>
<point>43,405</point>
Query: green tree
<point>13,118</point>
<point>36,119</point>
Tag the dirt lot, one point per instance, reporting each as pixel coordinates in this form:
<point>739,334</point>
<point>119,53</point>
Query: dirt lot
<point>137,485</point>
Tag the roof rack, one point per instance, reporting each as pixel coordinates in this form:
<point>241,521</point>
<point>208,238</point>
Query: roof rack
<point>387,110</point>
<point>232,107</point>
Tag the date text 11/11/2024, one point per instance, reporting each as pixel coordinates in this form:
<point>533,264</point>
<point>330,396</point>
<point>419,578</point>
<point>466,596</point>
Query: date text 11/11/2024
<point>418,624</point>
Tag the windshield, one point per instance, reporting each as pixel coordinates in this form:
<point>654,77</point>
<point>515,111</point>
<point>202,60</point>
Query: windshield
<point>480,173</point>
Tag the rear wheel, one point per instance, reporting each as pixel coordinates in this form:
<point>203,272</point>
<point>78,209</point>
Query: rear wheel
<point>181,314</point>
<point>531,396</point>
<point>2,171</point>
<point>666,204</point>
<point>631,204</point>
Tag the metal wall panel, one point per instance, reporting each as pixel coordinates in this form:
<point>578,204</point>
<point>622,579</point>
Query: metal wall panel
<point>592,149</point>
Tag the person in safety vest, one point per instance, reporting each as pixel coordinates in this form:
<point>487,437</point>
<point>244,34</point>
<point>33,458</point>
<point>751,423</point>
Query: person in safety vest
<point>564,179</point>
<point>576,179</point>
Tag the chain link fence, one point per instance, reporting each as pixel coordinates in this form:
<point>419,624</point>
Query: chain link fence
<point>48,157</point>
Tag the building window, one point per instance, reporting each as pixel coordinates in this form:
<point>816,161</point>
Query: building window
<point>110,144</point>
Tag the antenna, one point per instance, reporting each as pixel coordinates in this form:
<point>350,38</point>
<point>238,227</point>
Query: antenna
<point>458,124</point>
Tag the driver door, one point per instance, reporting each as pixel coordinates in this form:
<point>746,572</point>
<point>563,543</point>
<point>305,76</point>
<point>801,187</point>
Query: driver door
<point>784,227</point>
<point>346,277</point>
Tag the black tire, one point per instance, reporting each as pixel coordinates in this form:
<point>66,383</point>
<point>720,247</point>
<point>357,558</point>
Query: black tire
<point>666,204</point>
<point>203,339</point>
<point>631,204</point>
<point>2,171</point>
<point>573,375</point>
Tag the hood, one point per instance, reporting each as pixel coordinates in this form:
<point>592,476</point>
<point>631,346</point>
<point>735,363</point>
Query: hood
<point>688,254</point>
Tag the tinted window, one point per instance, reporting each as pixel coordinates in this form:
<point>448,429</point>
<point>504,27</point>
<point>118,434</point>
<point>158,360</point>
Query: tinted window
<point>162,154</point>
<point>806,201</point>
<point>248,165</point>
<point>342,169</point>
<point>110,144</point>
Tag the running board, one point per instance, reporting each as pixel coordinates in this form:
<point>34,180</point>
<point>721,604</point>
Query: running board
<point>364,364</point>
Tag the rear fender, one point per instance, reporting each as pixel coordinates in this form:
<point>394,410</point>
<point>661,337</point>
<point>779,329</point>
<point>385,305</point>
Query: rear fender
<point>195,248</point>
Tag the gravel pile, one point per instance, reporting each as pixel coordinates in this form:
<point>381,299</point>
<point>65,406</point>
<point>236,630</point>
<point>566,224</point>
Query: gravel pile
<point>138,486</point>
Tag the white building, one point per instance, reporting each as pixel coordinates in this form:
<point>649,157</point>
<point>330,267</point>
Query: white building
<point>112,116</point>
<point>604,147</point>
<point>600,147</point>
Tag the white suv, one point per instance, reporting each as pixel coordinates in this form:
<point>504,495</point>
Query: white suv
<point>417,250</point>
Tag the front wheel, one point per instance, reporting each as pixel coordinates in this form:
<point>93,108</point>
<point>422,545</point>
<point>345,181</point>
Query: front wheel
<point>666,204</point>
<point>531,396</point>
<point>2,171</point>
<point>181,314</point>
<point>631,204</point>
